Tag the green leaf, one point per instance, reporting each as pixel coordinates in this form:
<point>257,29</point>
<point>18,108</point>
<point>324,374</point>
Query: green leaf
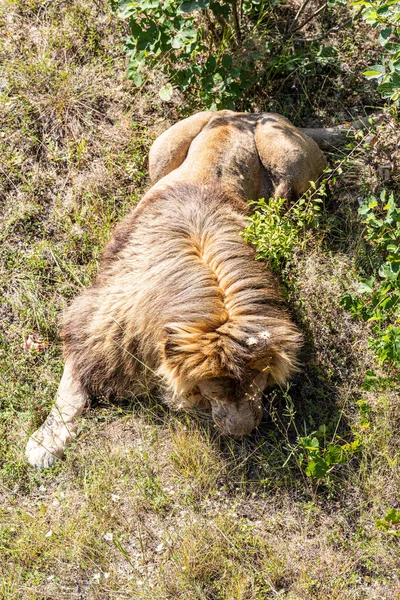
<point>364,210</point>
<point>384,11</point>
<point>185,36</point>
<point>317,468</point>
<point>385,35</point>
<point>393,516</point>
<point>227,61</point>
<point>136,78</point>
<point>191,5</point>
<point>392,48</point>
<point>166,92</point>
<point>374,72</point>
<point>335,455</point>
<point>373,203</point>
<point>217,78</point>
<point>211,64</point>
<point>219,8</point>
<point>389,270</point>
<point>366,286</point>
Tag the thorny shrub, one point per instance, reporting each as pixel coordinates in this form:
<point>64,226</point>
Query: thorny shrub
<point>189,43</point>
<point>218,53</point>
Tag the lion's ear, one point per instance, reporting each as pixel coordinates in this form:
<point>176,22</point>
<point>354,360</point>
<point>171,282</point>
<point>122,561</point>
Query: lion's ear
<point>276,361</point>
<point>260,347</point>
<point>267,355</point>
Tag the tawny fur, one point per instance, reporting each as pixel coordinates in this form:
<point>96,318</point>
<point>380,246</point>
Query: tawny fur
<point>249,155</point>
<point>183,300</point>
<point>180,302</point>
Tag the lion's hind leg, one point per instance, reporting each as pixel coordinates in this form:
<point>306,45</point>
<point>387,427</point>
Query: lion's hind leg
<point>291,158</point>
<point>48,443</point>
<point>170,149</point>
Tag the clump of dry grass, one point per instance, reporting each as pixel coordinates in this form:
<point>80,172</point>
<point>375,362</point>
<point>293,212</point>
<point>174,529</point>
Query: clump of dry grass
<point>194,458</point>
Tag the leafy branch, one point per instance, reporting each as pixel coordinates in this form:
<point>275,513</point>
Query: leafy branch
<point>385,16</point>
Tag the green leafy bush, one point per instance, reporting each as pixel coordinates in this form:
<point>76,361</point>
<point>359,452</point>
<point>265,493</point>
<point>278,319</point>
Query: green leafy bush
<point>377,298</point>
<point>219,54</point>
<point>188,42</point>
<point>385,15</point>
<point>274,229</point>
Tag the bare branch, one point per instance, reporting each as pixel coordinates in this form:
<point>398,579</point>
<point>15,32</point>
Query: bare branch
<point>299,12</point>
<point>236,22</point>
<point>309,19</point>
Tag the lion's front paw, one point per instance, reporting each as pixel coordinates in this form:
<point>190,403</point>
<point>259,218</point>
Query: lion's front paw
<point>42,452</point>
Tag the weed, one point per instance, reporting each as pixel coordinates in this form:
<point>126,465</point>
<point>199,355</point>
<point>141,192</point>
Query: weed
<point>377,299</point>
<point>390,522</point>
<point>275,229</point>
<point>194,459</point>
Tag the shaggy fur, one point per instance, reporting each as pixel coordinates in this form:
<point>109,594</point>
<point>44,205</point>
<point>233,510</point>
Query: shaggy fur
<point>179,299</point>
<point>180,302</point>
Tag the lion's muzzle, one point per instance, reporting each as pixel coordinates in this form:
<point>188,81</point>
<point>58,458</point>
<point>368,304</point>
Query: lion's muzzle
<point>237,419</point>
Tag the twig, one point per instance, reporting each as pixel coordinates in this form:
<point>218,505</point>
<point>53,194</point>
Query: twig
<point>299,12</point>
<point>309,19</point>
<point>236,22</point>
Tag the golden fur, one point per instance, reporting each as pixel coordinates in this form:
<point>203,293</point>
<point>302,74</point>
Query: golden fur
<point>250,155</point>
<point>185,297</point>
<point>180,302</point>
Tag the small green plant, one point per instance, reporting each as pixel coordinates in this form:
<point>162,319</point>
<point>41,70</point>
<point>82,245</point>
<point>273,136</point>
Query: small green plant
<point>274,229</point>
<point>385,15</point>
<point>390,522</point>
<point>377,298</point>
<point>318,457</point>
<point>319,454</point>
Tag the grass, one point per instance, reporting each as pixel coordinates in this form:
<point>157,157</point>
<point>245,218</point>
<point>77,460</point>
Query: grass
<point>148,503</point>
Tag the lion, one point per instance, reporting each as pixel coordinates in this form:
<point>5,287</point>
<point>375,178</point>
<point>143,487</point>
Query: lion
<point>180,304</point>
